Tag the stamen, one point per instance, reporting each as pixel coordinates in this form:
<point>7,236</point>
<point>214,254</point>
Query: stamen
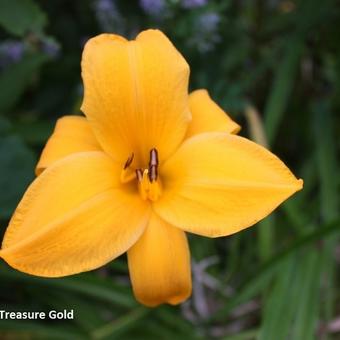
<point>127,173</point>
<point>139,174</point>
<point>129,161</point>
<point>153,165</point>
<point>149,185</point>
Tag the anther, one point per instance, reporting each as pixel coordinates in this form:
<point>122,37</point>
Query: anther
<point>129,161</point>
<point>153,165</point>
<point>127,173</point>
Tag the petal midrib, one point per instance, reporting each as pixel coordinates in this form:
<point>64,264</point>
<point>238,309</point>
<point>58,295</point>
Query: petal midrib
<point>68,215</point>
<point>223,185</point>
<point>137,94</point>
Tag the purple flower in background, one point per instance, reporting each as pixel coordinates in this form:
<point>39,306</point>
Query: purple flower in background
<point>209,21</point>
<point>193,3</point>
<point>105,5</point>
<point>13,49</point>
<point>108,16</point>
<point>50,47</point>
<point>11,52</point>
<point>153,7</point>
<point>206,32</point>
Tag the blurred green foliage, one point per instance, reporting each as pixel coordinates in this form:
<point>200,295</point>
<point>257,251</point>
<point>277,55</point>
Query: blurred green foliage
<point>277,280</point>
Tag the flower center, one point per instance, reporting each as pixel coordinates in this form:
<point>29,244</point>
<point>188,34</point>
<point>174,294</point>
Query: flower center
<point>148,181</point>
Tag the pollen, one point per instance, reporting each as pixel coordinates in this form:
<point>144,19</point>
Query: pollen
<point>148,181</point>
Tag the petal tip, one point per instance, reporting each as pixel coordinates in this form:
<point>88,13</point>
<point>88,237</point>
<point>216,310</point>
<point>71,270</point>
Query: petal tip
<point>237,128</point>
<point>299,184</point>
<point>104,37</point>
<point>173,300</point>
<point>152,33</point>
<point>208,116</point>
<point>199,91</point>
<point>176,300</point>
<point>38,169</point>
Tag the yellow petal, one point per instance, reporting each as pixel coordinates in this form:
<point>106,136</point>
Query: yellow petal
<point>217,184</point>
<point>74,217</point>
<point>207,116</point>
<point>136,95</point>
<point>72,134</point>
<point>159,265</point>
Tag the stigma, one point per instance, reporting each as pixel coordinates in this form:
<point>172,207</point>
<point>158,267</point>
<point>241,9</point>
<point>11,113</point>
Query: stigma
<point>148,181</point>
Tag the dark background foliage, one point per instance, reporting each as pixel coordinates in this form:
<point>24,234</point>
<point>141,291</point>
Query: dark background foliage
<point>275,67</point>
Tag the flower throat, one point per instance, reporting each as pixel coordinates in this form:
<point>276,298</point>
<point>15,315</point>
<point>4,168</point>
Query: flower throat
<point>148,181</point>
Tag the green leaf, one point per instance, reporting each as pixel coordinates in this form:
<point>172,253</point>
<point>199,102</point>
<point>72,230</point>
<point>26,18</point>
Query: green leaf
<point>86,313</point>
<point>21,16</point>
<point>16,172</point>
<point>15,79</point>
<point>328,170</point>
<point>266,237</point>
<point>246,335</point>
<point>263,275</point>
<point>295,296</point>
<point>86,284</point>
<point>13,329</point>
<point>280,302</point>
<point>282,87</point>
<point>125,322</point>
<point>5,126</point>
<point>326,156</point>
<point>34,132</point>
<point>308,301</point>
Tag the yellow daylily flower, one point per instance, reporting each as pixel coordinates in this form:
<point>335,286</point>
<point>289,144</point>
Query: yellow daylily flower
<point>147,164</point>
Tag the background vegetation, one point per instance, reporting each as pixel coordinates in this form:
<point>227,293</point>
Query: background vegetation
<point>275,67</point>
